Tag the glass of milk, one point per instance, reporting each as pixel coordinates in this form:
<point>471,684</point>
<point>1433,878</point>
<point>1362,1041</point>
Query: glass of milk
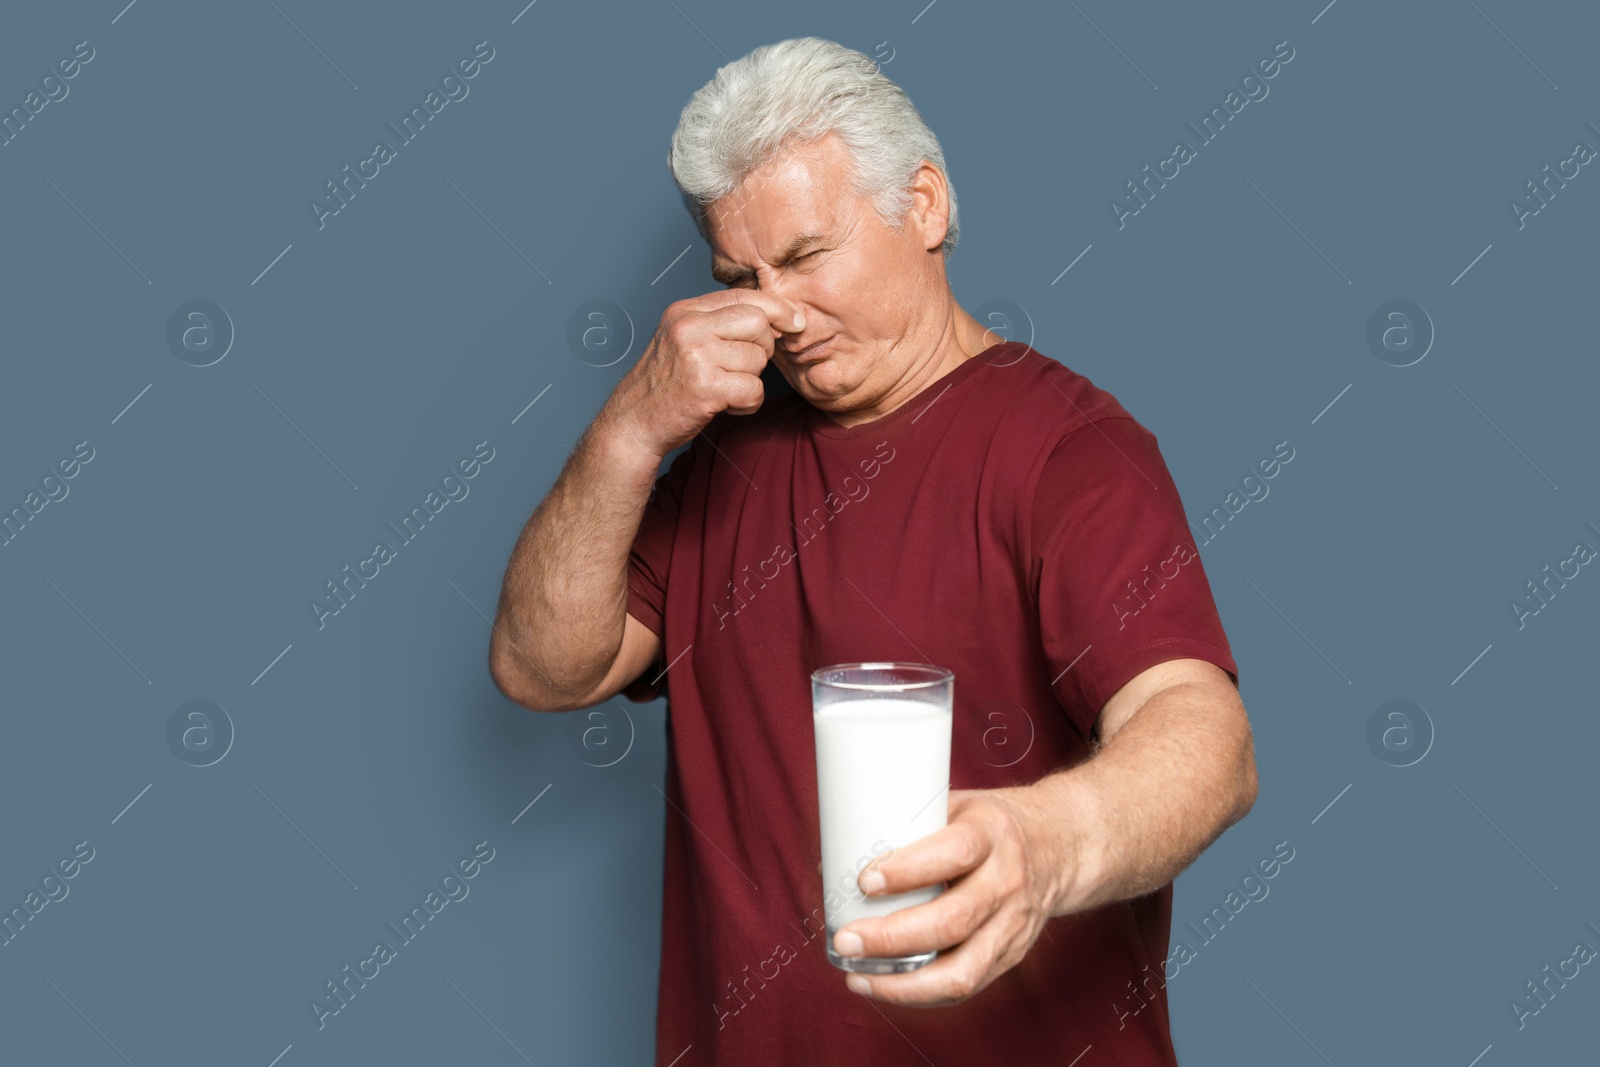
<point>883,771</point>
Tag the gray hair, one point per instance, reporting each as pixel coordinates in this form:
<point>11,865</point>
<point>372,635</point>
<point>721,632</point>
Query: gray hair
<point>797,91</point>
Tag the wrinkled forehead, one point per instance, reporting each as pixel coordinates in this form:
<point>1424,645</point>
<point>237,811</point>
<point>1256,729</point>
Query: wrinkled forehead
<point>802,187</point>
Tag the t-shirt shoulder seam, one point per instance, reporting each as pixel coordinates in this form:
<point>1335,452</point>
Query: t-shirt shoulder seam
<point>1090,422</point>
<point>1051,369</point>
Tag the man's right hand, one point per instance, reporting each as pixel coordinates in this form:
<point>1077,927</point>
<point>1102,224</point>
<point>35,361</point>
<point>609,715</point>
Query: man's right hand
<point>706,356</point>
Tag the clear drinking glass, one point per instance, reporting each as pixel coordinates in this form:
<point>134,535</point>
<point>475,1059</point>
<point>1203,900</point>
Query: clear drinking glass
<point>883,768</point>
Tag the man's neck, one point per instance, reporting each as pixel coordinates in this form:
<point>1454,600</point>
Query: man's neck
<point>962,339</point>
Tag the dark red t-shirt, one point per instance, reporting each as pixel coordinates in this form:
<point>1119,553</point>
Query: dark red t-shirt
<point>1011,522</point>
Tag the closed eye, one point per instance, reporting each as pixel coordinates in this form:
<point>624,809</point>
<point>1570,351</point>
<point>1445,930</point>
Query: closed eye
<point>747,282</point>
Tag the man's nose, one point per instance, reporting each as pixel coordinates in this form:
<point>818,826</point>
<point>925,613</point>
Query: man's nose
<point>778,285</point>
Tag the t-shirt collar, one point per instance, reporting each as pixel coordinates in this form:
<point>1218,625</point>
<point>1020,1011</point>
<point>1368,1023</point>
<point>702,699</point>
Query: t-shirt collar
<point>818,422</point>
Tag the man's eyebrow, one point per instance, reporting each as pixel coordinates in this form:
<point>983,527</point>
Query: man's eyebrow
<point>729,274</point>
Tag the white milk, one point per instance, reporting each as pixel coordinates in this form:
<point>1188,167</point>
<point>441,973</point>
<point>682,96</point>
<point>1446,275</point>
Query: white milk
<point>883,765</point>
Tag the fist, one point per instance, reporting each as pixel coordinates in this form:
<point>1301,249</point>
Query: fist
<point>706,356</point>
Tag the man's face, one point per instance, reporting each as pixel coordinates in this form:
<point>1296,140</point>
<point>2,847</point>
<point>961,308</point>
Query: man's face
<point>795,228</point>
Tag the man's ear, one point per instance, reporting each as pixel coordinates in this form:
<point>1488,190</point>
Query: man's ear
<point>930,205</point>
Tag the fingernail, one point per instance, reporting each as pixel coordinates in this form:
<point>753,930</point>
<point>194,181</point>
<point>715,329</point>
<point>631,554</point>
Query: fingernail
<point>846,943</point>
<point>872,882</point>
<point>858,984</point>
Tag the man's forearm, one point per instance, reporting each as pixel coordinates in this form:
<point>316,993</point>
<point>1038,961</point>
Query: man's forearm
<point>560,619</point>
<point>1128,820</point>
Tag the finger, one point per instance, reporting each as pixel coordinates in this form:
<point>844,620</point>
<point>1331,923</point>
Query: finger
<point>958,847</point>
<point>740,357</point>
<point>743,393</point>
<point>954,976</point>
<point>739,322</point>
<point>783,314</point>
<point>945,921</point>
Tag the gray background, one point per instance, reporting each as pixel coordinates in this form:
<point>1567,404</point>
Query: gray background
<point>372,754</point>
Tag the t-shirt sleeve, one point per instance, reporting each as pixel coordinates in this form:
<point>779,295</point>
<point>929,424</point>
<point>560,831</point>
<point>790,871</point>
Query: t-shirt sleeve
<point>1117,573</point>
<point>650,560</point>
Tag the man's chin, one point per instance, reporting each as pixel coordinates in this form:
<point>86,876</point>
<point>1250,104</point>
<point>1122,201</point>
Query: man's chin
<point>819,383</point>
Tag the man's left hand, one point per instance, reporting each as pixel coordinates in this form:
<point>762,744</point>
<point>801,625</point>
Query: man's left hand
<point>1008,861</point>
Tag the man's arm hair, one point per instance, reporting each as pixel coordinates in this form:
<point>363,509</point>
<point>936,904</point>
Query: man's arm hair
<point>562,637</point>
<point>1173,767</point>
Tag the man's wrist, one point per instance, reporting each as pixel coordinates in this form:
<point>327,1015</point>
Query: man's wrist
<point>620,442</point>
<point>1068,832</point>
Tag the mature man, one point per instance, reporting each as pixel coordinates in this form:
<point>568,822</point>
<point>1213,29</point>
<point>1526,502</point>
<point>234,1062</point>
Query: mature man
<point>924,493</point>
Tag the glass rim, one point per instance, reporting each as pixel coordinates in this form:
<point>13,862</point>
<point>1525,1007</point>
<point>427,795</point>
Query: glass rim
<point>942,676</point>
